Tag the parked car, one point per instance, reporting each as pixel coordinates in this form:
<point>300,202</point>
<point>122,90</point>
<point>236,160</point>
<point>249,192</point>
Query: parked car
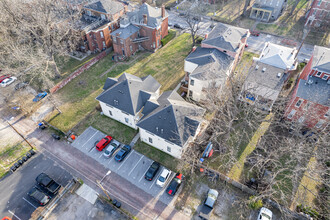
<point>178,26</point>
<point>175,184</point>
<point>40,96</point>
<point>207,208</point>
<point>152,171</point>
<point>122,153</point>
<point>48,183</point>
<point>38,196</point>
<point>255,33</point>
<point>3,77</point>
<point>163,177</point>
<point>111,148</point>
<point>20,85</point>
<point>103,143</point>
<point>8,81</point>
<point>265,214</point>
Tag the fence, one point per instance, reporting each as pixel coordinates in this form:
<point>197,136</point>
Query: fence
<point>79,71</point>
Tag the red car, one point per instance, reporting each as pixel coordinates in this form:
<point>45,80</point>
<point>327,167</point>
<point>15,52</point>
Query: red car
<point>103,143</point>
<point>3,77</point>
<point>255,33</point>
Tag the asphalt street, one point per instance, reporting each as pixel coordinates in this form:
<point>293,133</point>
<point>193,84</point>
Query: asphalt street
<point>14,200</point>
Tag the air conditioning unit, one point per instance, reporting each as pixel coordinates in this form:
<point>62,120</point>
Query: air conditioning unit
<point>264,69</point>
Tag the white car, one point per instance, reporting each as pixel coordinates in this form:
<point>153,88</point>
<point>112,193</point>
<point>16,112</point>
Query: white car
<point>163,177</point>
<point>265,214</point>
<point>8,81</point>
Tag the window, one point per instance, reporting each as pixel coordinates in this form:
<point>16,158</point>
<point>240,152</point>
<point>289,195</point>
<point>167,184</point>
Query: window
<point>192,82</point>
<point>121,41</point>
<point>150,140</point>
<point>299,102</point>
<point>101,33</point>
<point>110,113</point>
<point>114,39</point>
<point>126,120</point>
<point>327,114</point>
<point>89,13</point>
<point>291,114</point>
<point>318,73</point>
<point>154,45</point>
<point>131,48</point>
<point>109,28</point>
<point>190,93</point>
<point>325,77</point>
<point>169,149</point>
<point>319,123</point>
<point>104,46</point>
<point>301,119</point>
<point>319,3</point>
<point>102,16</point>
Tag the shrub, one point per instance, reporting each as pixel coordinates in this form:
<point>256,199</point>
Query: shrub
<point>169,37</point>
<point>255,204</point>
<point>308,210</point>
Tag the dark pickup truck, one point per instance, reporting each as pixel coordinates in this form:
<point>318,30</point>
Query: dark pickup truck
<point>208,205</point>
<point>48,183</point>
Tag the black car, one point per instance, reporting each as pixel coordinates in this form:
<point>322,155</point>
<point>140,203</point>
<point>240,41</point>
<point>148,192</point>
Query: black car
<point>44,181</point>
<point>38,196</point>
<point>175,184</point>
<point>153,169</point>
<point>21,85</point>
<point>178,26</point>
<point>122,153</point>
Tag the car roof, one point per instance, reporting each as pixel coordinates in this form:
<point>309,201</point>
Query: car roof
<point>212,196</point>
<point>164,172</point>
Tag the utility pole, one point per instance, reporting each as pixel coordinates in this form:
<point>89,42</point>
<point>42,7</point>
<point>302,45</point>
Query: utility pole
<point>99,183</point>
<point>20,135</point>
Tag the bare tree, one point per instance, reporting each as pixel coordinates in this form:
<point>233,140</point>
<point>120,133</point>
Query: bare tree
<point>294,6</point>
<point>193,23</point>
<point>33,33</point>
<point>246,5</point>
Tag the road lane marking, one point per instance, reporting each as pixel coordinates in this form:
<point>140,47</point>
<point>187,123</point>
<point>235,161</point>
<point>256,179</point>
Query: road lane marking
<point>30,203</point>
<point>125,160</point>
<point>14,214</point>
<point>135,165</point>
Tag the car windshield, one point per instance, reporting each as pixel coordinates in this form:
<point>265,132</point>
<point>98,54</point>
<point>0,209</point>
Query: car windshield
<point>113,144</point>
<point>161,179</point>
<point>265,216</point>
<point>107,152</point>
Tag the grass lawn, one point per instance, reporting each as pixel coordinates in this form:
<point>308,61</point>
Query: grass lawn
<point>108,126</point>
<point>9,155</point>
<point>166,65</point>
<point>157,155</point>
<point>244,65</point>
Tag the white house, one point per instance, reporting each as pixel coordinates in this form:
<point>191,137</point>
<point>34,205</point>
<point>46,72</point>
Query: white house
<point>170,123</point>
<point>123,99</point>
<point>207,68</point>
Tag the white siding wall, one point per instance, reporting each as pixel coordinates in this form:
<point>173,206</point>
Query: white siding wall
<point>196,89</point>
<point>160,143</point>
<point>118,115</point>
<point>189,66</point>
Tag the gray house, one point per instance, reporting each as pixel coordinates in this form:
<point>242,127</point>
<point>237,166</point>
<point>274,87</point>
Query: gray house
<point>266,10</point>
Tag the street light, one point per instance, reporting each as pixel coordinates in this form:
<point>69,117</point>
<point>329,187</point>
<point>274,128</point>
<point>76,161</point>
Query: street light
<point>108,173</point>
<point>100,185</point>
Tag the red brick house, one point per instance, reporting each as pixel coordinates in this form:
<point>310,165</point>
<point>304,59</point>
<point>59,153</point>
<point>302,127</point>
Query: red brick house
<point>228,39</point>
<point>309,104</point>
<point>98,20</point>
<point>142,29</point>
<point>319,14</point>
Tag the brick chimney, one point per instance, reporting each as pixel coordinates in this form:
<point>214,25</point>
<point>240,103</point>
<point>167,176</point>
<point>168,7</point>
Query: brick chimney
<point>206,35</point>
<point>144,1</point>
<point>145,19</point>
<point>163,11</point>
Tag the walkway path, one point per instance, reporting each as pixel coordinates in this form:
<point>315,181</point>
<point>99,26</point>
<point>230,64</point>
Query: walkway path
<point>237,169</point>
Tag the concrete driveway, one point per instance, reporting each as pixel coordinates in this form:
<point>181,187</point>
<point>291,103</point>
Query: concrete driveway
<point>14,200</point>
<point>132,168</point>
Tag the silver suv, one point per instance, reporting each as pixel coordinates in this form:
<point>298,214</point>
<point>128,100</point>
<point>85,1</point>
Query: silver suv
<point>112,147</point>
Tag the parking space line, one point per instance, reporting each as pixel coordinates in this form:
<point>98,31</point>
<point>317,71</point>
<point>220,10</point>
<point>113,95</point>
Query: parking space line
<point>14,214</point>
<point>125,160</point>
<point>100,156</point>
<point>111,159</point>
<point>143,174</point>
<point>156,179</point>
<point>136,165</point>
<point>89,139</point>
<point>30,203</point>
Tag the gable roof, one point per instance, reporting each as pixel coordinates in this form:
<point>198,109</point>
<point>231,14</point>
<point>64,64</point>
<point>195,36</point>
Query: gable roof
<point>129,93</point>
<point>278,56</point>
<point>226,37</point>
<point>317,91</point>
<point>106,6</point>
<point>171,118</point>
<point>212,63</point>
<point>263,80</point>
<point>154,16</point>
<point>321,59</point>
<point>125,32</point>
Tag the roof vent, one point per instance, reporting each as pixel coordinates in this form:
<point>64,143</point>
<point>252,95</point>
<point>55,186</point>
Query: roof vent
<point>161,131</point>
<point>120,91</point>
<point>264,69</point>
<point>257,67</point>
<point>279,75</point>
<point>310,81</point>
<point>157,129</point>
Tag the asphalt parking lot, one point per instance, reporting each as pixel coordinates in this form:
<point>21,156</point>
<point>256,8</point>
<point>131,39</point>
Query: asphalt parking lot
<point>14,201</point>
<point>132,168</point>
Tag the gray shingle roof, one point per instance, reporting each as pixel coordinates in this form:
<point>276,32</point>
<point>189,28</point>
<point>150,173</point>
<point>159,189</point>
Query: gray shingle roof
<point>154,16</point>
<point>126,32</point>
<point>171,118</point>
<point>321,59</point>
<point>106,6</point>
<point>318,91</point>
<point>264,83</point>
<point>226,37</point>
<point>130,93</point>
<point>212,63</point>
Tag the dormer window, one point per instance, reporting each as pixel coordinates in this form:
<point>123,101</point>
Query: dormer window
<point>325,77</point>
<point>318,74</point>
